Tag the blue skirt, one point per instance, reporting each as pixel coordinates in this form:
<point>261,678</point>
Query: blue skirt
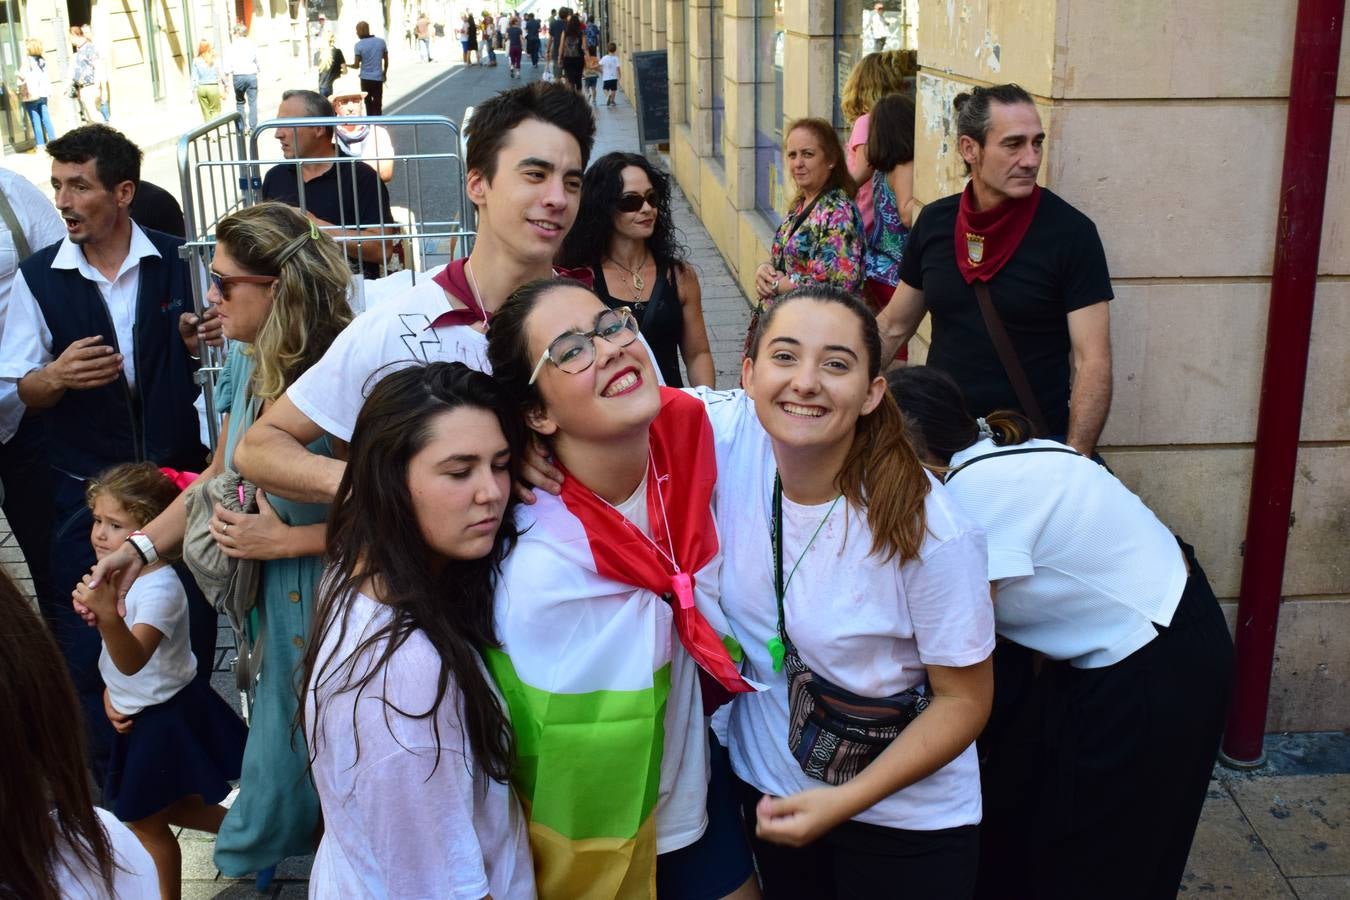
<point>192,743</point>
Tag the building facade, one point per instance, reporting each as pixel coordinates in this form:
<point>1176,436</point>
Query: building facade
<point>1165,124</point>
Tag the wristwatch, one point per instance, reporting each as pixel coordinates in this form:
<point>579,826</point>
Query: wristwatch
<point>144,547</point>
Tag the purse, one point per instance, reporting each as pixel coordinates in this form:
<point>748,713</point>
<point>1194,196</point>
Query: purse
<point>833,733</point>
<point>231,585</point>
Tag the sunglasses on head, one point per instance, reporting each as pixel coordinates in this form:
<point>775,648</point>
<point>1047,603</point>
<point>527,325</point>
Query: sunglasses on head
<point>632,201</point>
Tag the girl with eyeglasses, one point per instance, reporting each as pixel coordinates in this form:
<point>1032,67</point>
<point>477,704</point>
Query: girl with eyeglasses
<point>607,612</point>
<point>625,234</point>
<point>280,287</point>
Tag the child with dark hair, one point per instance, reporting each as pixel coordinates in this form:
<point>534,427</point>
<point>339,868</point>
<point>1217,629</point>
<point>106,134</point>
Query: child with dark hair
<point>178,745</point>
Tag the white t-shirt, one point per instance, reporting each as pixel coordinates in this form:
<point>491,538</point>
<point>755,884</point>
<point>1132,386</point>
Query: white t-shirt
<point>27,342</point>
<point>134,875</point>
<point>1084,568</point>
<point>868,626</point>
<point>387,337</point>
<point>609,67</point>
<point>681,806</point>
<point>396,824</point>
<point>156,599</point>
<point>42,227</point>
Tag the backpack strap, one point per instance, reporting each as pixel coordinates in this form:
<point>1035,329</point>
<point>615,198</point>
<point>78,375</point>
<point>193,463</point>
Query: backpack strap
<point>1014,452</point>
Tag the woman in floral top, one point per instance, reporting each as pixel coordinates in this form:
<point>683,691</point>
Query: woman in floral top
<point>820,240</point>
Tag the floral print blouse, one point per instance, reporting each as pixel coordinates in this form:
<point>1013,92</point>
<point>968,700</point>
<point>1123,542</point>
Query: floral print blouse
<point>827,248</point>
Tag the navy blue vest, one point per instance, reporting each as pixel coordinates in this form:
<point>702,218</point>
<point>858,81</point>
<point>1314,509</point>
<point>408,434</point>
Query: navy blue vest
<point>90,430</point>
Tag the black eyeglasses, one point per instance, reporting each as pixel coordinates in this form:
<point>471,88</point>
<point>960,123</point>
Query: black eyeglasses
<point>632,201</point>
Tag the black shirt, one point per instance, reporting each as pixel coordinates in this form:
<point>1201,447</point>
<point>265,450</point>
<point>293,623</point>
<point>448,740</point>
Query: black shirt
<point>532,29</point>
<point>1060,266</point>
<point>154,207</point>
<point>349,194</point>
<point>660,319</point>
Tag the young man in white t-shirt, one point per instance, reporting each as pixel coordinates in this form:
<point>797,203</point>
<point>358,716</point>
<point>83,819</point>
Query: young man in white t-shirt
<point>527,149</point>
<point>609,72</point>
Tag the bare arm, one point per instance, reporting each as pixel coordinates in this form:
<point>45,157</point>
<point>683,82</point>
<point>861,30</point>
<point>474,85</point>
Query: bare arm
<point>859,168</point>
<point>961,699</point>
<point>900,319</point>
<point>372,246</point>
<point>272,455</point>
<point>901,180</point>
<point>1090,400</point>
<point>698,358</point>
<point>384,146</point>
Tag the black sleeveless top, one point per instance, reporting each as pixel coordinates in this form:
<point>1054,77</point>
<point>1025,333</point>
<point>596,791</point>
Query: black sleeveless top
<point>660,317</point>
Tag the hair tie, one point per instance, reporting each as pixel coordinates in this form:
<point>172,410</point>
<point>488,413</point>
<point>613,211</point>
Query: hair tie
<point>985,430</point>
<point>180,480</point>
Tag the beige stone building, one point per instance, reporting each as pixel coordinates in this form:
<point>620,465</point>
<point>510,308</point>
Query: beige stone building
<point>1165,123</point>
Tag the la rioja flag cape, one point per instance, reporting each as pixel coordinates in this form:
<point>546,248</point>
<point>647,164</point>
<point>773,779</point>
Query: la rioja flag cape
<point>590,615</point>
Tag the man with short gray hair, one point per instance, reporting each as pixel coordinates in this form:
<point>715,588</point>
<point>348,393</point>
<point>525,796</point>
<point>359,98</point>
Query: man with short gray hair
<point>1015,279</point>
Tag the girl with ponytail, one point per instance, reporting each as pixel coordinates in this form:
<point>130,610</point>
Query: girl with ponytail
<point>857,592</point>
<point>1097,757</point>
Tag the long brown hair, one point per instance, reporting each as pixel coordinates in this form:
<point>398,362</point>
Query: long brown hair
<point>882,473</point>
<point>44,788</point>
<point>834,152</point>
<point>373,533</point>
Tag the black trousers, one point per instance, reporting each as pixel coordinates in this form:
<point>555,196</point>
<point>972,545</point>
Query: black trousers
<point>1094,779</point>
<point>72,557</point>
<point>858,860</point>
<point>374,97</point>
<point>29,483</point>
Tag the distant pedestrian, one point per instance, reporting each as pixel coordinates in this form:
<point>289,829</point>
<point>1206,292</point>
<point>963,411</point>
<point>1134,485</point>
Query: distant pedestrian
<point>555,31</point>
<point>35,86</point>
<point>471,36</point>
<point>372,56</point>
<point>102,73</point>
<point>514,45</point>
<point>332,65</point>
<point>241,67</point>
<point>207,80</point>
<point>573,52</point>
<point>422,31</point>
<point>83,77</point>
<point>532,39</point>
<point>365,141</point>
<point>609,73</point>
<point>875,31</point>
<point>487,29</point>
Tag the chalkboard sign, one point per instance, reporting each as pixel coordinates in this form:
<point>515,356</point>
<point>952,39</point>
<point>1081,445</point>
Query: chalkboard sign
<point>653,97</point>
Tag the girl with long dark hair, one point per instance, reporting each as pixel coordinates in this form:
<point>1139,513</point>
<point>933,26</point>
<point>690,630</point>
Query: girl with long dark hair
<point>607,611</point>
<point>572,53</point>
<point>411,747</point>
<point>1098,760</point>
<point>57,844</point>
<point>857,591</point>
<point>625,234</point>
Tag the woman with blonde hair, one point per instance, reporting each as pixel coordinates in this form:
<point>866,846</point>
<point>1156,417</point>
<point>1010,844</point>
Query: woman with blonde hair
<point>281,288</point>
<point>875,76</point>
<point>207,80</point>
<point>35,85</point>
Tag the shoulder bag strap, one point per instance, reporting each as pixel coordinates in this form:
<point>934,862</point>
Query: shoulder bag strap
<point>15,229</point>
<point>796,223</point>
<point>1015,452</point>
<point>1008,356</point>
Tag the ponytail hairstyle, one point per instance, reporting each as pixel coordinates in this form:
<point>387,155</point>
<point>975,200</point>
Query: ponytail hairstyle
<point>374,535</point>
<point>44,789</point>
<point>932,403</point>
<point>882,473</point>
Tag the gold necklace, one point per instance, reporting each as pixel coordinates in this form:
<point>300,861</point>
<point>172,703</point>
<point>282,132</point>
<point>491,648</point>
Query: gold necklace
<point>638,281</point>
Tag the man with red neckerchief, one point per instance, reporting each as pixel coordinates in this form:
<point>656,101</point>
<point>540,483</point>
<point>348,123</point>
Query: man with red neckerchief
<point>527,149</point>
<point>1041,262</point>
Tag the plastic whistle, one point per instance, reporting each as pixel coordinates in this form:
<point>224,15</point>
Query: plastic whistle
<point>683,586</point>
<point>777,650</point>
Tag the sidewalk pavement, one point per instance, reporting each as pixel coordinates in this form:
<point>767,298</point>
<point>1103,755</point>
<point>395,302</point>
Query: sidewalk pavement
<point>1280,832</point>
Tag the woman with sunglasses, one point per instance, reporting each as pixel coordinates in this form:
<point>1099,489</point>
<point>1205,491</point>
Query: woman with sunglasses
<point>607,612</point>
<point>625,234</point>
<point>280,287</point>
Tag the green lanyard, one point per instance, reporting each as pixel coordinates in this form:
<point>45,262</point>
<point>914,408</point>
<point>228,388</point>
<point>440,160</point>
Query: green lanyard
<point>777,645</point>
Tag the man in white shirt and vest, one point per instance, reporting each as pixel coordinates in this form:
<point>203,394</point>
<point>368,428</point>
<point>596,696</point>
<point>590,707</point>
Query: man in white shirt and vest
<point>94,337</point>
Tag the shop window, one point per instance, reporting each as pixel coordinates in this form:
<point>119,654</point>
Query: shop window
<point>858,33</point>
<point>769,34</point>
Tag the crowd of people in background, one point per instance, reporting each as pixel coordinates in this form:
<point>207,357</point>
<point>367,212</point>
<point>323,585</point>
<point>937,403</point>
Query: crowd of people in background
<point>529,605</point>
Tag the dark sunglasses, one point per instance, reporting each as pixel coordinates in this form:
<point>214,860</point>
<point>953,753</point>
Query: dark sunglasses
<point>632,202</point>
<point>221,282</point>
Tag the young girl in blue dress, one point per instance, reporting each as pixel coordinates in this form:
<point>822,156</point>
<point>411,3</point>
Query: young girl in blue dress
<point>178,744</point>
